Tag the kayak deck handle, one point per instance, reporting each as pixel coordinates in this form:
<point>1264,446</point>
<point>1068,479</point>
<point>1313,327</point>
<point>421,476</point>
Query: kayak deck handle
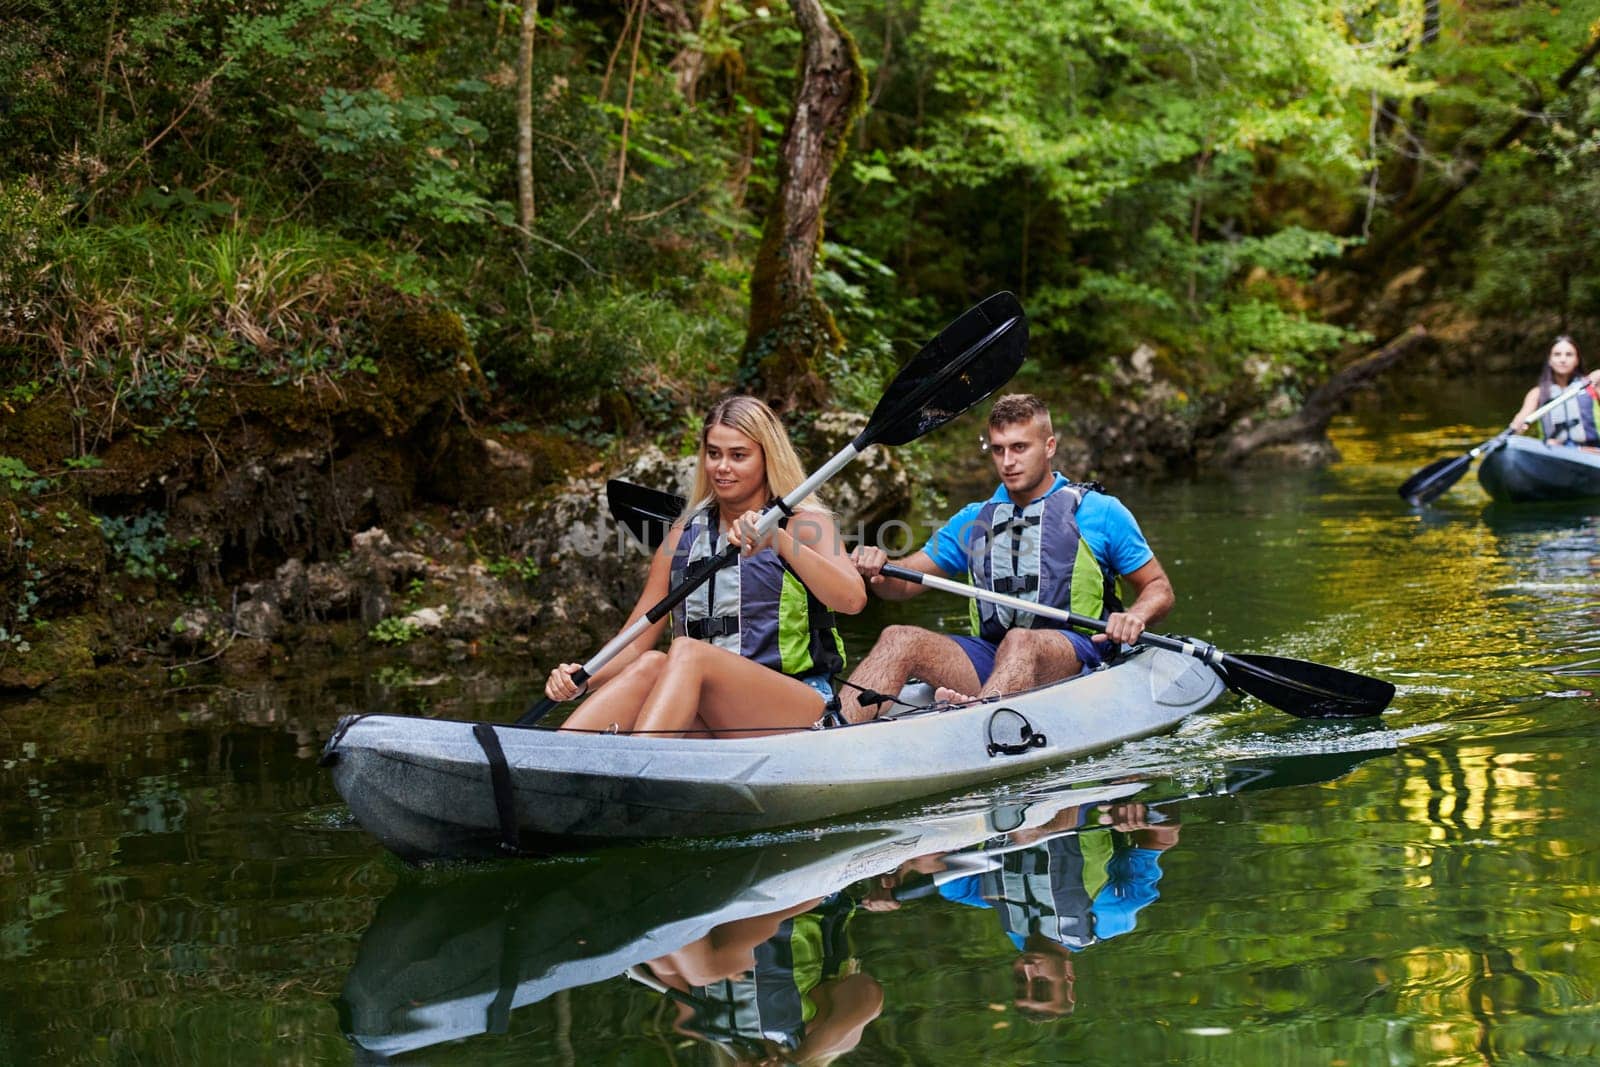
<point>1010,734</point>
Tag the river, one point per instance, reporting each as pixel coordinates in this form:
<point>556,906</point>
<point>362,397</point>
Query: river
<point>179,882</point>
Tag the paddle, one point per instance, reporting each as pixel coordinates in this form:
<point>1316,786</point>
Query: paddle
<point>646,513</point>
<point>1431,481</point>
<point>971,358</point>
<point>1308,690</point>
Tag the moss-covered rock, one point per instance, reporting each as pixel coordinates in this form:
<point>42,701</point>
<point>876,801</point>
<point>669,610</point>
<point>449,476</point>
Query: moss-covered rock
<point>55,649</point>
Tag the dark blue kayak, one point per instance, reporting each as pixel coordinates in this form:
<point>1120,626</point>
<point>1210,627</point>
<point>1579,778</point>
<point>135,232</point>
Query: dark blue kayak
<point>1526,470</point>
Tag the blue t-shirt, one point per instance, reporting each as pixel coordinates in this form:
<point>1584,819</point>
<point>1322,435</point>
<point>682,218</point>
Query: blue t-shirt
<point>1131,878</point>
<point>1106,525</point>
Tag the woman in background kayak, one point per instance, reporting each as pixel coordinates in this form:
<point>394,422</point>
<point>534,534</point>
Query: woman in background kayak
<point>1572,423</point>
<point>754,647</point>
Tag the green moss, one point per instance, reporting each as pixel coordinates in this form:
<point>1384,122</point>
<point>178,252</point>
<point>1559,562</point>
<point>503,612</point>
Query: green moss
<point>64,647</point>
<point>433,336</point>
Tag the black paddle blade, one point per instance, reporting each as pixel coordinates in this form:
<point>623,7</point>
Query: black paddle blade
<point>1434,479</point>
<point>1314,768</point>
<point>1308,690</point>
<point>971,358</point>
<point>647,513</point>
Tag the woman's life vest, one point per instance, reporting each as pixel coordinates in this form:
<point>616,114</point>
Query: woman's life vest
<point>1573,421</point>
<point>770,1001</point>
<point>758,608</point>
<point>1036,553</point>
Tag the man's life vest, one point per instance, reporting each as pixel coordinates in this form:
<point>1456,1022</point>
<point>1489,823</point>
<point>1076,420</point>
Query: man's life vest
<point>758,608</point>
<point>1036,553</point>
<point>1573,421</point>
<point>1049,889</point>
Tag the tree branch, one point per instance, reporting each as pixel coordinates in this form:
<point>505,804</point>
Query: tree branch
<point>1311,421</point>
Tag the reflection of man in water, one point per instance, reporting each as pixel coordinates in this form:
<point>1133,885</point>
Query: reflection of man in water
<point>772,988</point>
<point>1054,891</point>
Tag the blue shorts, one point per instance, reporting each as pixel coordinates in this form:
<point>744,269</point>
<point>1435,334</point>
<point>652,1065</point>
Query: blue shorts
<point>822,684</point>
<point>980,651</point>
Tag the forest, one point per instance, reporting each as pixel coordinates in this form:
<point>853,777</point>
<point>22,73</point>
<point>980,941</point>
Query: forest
<point>256,252</point>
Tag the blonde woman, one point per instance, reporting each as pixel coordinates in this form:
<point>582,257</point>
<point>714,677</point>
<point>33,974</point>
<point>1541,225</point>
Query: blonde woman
<point>754,648</point>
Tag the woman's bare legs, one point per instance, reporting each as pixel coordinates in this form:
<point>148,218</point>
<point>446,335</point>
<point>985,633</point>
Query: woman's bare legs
<point>734,696</point>
<point>619,700</point>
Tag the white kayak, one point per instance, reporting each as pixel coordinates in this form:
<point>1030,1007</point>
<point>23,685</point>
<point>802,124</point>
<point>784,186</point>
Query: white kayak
<point>438,788</point>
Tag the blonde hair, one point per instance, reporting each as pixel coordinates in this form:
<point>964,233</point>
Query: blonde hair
<point>758,422</point>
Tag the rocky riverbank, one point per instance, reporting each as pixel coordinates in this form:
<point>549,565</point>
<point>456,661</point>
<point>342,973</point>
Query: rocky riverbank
<point>284,520</point>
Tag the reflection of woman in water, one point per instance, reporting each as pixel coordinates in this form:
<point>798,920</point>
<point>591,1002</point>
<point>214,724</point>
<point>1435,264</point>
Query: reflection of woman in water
<point>778,988</point>
<point>1573,423</point>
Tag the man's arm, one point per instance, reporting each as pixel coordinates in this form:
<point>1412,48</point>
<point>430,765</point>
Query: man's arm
<point>1152,599</point>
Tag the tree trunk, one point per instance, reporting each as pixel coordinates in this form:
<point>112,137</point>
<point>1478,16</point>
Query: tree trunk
<point>790,327</point>
<point>530,16</point>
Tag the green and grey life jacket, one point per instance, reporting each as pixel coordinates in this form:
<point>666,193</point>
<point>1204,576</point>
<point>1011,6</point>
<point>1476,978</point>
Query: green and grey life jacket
<point>1049,889</point>
<point>1036,553</point>
<point>758,608</point>
<point>1573,421</point>
<point>770,1001</point>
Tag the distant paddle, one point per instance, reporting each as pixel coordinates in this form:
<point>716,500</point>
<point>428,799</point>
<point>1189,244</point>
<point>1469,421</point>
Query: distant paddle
<point>1431,481</point>
<point>971,358</point>
<point>1307,690</point>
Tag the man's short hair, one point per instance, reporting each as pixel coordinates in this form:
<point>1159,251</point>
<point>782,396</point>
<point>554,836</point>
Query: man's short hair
<point>1019,407</point>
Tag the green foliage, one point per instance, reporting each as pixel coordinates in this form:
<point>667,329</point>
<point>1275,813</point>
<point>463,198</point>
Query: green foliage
<point>17,477</point>
<point>140,543</point>
<point>190,192</point>
<point>415,156</point>
<point>394,631</point>
<point>149,312</point>
<point>1536,256</point>
<point>1107,160</point>
<point>30,218</point>
<point>591,339</point>
<point>522,569</point>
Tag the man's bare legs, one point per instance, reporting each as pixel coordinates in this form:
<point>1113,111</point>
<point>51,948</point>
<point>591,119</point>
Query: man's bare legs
<point>1025,658</point>
<point>900,653</point>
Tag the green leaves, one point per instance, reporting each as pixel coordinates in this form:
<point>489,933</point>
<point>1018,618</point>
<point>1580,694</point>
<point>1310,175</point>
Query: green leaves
<point>418,150</point>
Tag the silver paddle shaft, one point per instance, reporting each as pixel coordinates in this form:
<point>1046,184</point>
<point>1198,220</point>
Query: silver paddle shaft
<point>1198,649</point>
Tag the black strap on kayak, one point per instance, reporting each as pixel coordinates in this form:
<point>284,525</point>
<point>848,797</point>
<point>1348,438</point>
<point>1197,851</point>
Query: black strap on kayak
<point>330,751</point>
<point>871,698</point>
<point>505,806</point>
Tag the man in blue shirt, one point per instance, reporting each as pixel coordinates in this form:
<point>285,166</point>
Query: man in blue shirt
<point>1081,878</point>
<point>1039,537</point>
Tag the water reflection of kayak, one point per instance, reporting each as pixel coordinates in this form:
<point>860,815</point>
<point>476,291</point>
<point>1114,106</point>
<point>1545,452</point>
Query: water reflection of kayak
<point>428,787</point>
<point>441,962</point>
<point>1527,471</point>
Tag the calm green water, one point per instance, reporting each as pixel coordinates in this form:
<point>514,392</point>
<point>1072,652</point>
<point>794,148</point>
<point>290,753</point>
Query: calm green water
<point>180,884</point>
